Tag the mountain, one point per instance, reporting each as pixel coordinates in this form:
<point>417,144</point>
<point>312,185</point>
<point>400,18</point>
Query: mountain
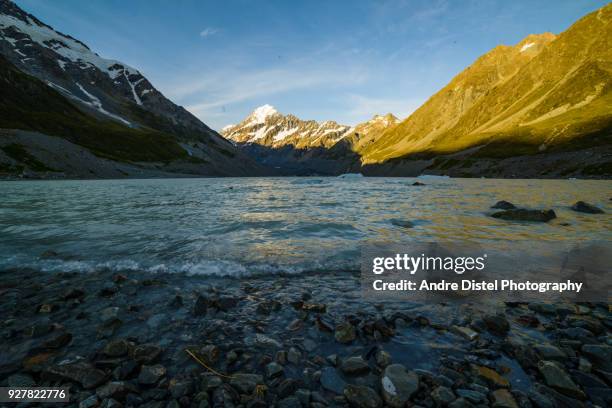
<point>304,147</point>
<point>55,85</point>
<point>545,94</point>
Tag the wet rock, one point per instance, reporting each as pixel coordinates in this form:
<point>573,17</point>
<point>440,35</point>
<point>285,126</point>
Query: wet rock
<point>281,357</point>
<point>460,403</point>
<point>398,385</point>
<point>290,402</point>
<point>110,403</point>
<point>146,353</point>
<point>286,388</point>
<point>331,381</point>
<point>246,383</point>
<point>503,205</point>
<point>59,341</point>
<point>418,183</point>
<point>21,380</point>
<point>74,293</point>
<point>581,206</point>
<point>179,388</point>
<point>549,352</point>
<point>265,341</point>
<point>309,345</point>
<point>274,370</point>
<point>81,372</point>
<point>383,359</point>
<point>108,290</point>
<point>294,356</point>
<point>38,329</point>
<point>544,308</point>
<point>599,354</point>
<point>558,379</point>
<point>464,332</point>
<point>490,376</point>
<point>362,397</point>
<point>200,306</point>
<point>354,366</point>
<point>176,302</point>
<point>496,324</point>
<point>151,374</point>
<point>47,308</point>
<point>209,353</point>
<point>345,333</point>
<point>109,314</point>
<point>472,396</point>
<point>304,396</point>
<point>89,402</point>
<point>116,348</point>
<point>125,370</point>
<point>503,399</point>
<point>116,390</point>
<point>521,214</point>
<point>314,307</point>
<point>443,395</point>
<point>224,303</point>
<point>402,223</point>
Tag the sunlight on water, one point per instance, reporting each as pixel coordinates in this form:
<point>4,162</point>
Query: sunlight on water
<point>269,225</point>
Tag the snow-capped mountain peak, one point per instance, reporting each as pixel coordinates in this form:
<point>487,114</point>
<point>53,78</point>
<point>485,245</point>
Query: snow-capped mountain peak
<point>261,113</point>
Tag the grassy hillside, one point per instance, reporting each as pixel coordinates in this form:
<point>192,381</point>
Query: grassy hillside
<point>543,92</point>
<point>29,104</point>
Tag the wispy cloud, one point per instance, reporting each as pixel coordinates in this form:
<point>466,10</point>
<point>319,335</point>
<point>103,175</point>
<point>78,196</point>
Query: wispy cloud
<point>362,107</point>
<point>208,32</point>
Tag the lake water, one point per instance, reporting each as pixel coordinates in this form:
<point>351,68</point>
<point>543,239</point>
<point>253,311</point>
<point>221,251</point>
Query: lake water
<point>243,226</point>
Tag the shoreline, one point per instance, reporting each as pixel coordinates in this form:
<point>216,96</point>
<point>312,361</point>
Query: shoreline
<point>120,339</point>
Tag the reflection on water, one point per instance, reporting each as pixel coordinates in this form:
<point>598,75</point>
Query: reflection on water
<point>241,226</point>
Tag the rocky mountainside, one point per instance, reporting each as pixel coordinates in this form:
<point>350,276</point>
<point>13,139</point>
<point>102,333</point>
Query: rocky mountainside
<point>104,94</point>
<point>546,91</point>
<point>304,147</point>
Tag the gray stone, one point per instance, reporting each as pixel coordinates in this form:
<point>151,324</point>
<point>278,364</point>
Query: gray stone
<point>383,358</point>
<point>398,385</point>
<point>331,381</point>
<point>581,206</point>
<point>599,354</point>
<point>362,397</point>
<point>549,352</point>
<point>89,402</point>
<point>558,379</point>
<point>503,399</point>
<point>521,214</point>
<point>150,375</point>
<point>246,383</point>
<point>443,395</point>
<point>464,332</point>
<point>345,333</point>
<point>146,353</point>
<point>472,396</point>
<point>116,348</point>
<point>294,355</point>
<point>274,370</point>
<point>354,366</point>
<point>503,205</point>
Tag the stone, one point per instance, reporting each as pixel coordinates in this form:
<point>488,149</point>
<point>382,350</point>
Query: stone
<point>200,306</point>
<point>117,390</point>
<point>361,396</point>
<point>209,353</point>
<point>331,381</point>
<point>503,205</point>
<point>581,206</point>
<point>472,396</point>
<point>599,354</point>
<point>354,366</point>
<point>81,372</point>
<point>521,214</point>
<point>443,395</point>
<point>303,395</point>
<point>398,385</point>
<point>109,314</point>
<point>47,308</point>
<point>418,183</point>
<point>460,403</point>
<point>558,379</point>
<point>116,348</point>
<point>125,370</point>
<point>286,388</point>
<point>146,353</point>
<point>549,352</point>
<point>59,341</point>
<point>151,374</point>
<point>544,308</point>
<point>21,380</point>
<point>266,341</point>
<point>74,293</point>
<point>294,355</point>
<point>290,402</point>
<point>402,223</point>
<point>274,370</point>
<point>503,399</point>
<point>496,324</point>
<point>345,333</point>
<point>464,332</point>
<point>246,383</point>
<point>89,402</point>
<point>490,376</point>
<point>383,359</point>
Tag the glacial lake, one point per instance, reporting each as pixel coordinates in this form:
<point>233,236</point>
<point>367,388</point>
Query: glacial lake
<point>246,226</point>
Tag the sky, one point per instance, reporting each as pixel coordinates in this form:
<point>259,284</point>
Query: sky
<point>318,59</point>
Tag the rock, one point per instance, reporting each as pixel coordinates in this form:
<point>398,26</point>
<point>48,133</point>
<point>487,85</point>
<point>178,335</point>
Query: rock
<point>146,353</point>
<point>89,402</point>
<point>521,214</point>
<point>544,308</point>
<point>209,353</point>
<point>464,332</point>
<point>402,223</point>
<point>599,354</point>
<point>354,366</point>
<point>58,341</point>
<point>224,303</point>
<point>460,403</point>
<point>345,333</point>
<point>472,396</point>
<point>290,402</point>
<point>47,308</point>
<point>503,399</point>
<point>549,352</point>
<point>109,314</point>
<point>304,396</point>
<point>151,374</point>
<point>314,307</point>
<point>246,383</point>
<point>581,206</point>
<point>294,356</point>
<point>398,385</point>
<point>126,369</point>
<point>503,205</point>
<point>116,390</point>
<point>496,324</point>
<point>274,370</point>
<point>266,341</point>
<point>490,376</point>
<point>110,403</point>
<point>362,397</point>
<point>383,359</point>
<point>21,380</point>
<point>286,388</point>
<point>38,329</point>
<point>558,379</point>
<point>176,302</point>
<point>200,306</point>
<point>108,290</point>
<point>75,293</point>
<point>418,183</point>
<point>116,348</point>
<point>442,395</point>
<point>81,372</point>
<point>180,387</point>
<point>331,381</point>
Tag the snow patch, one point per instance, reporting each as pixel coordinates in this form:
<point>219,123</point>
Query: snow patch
<point>133,88</point>
<point>285,133</point>
<point>95,103</point>
<point>527,46</point>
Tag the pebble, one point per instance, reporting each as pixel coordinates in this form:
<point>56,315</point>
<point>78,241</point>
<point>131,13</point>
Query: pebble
<point>398,385</point>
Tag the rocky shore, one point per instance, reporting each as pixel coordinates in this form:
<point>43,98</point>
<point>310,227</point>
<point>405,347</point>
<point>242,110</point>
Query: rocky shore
<point>141,339</point>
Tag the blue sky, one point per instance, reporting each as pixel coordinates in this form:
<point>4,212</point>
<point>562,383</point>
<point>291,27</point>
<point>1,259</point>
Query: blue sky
<point>322,60</point>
